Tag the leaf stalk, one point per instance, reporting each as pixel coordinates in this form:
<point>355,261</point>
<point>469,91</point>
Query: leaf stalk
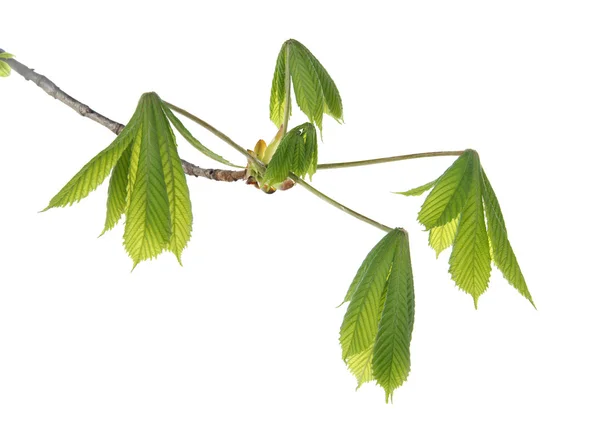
<point>338,205</point>
<point>342,165</point>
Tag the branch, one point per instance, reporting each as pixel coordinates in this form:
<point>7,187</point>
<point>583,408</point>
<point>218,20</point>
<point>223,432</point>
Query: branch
<point>84,110</point>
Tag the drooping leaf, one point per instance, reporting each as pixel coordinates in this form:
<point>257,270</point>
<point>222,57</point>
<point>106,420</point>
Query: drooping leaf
<point>191,139</point>
<point>377,328</point>
<point>418,190</point>
<point>97,169</point>
<point>180,207</point>
<point>455,213</point>
<point>147,184</point>
<point>503,256</point>
<point>296,153</point>
<point>391,356</point>
<point>470,261</point>
<point>361,321</point>
<point>5,67</point>
<point>315,91</point>
<point>277,103</point>
<point>116,204</point>
<point>442,237</point>
<point>450,193</point>
<point>148,225</point>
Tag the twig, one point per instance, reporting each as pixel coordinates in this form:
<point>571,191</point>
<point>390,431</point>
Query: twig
<point>84,110</point>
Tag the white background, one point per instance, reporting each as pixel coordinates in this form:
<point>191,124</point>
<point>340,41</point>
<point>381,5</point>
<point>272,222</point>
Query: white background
<point>243,338</point>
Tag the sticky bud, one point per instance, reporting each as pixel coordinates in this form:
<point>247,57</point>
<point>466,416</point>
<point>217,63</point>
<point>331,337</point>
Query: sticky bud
<point>260,148</point>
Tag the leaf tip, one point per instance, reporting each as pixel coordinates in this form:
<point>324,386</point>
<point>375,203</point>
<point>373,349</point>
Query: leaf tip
<point>389,397</point>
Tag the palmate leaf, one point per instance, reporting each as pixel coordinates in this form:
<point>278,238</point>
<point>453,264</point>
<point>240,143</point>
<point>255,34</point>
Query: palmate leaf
<point>296,153</point>
<point>377,328</point>
<point>502,253</point>
<point>450,193</point>
<point>455,215</point>
<point>5,67</point>
<point>315,91</point>
<point>147,184</point>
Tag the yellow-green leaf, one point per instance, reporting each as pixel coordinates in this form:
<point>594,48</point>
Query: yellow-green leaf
<point>277,103</point>
<point>470,261</point>
<point>442,237</point>
<point>116,204</point>
<point>391,354</point>
<point>315,91</point>
<point>503,256</point>
<point>418,190</point>
<point>359,327</point>
<point>148,225</point>
<point>180,206</point>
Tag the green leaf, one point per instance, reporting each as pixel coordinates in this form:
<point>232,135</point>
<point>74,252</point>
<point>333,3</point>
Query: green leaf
<point>442,237</point>
<point>418,190</point>
<point>180,207</point>
<point>277,104</point>
<point>116,203</point>
<point>307,88</point>
<point>360,323</point>
<point>502,252</point>
<point>4,67</point>
<point>315,91</point>
<point>391,358</point>
<point>148,225</point>
<point>191,139</point>
<point>470,261</point>
<point>296,153</point>
<point>450,193</point>
<point>97,169</point>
